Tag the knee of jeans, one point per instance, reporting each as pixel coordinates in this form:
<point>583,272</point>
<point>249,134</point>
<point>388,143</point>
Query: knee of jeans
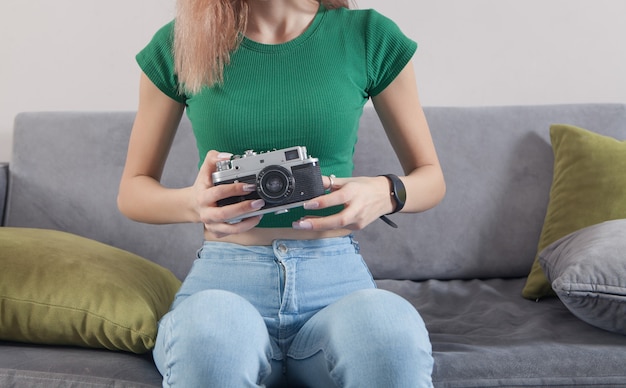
<point>211,332</point>
<point>219,317</point>
<point>387,319</point>
<point>361,337</point>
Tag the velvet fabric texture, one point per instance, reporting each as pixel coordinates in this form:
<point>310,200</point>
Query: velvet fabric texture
<point>59,288</point>
<point>588,187</point>
<point>587,270</point>
<point>462,264</point>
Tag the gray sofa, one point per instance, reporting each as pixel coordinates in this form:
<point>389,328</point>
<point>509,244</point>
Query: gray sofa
<point>462,264</point>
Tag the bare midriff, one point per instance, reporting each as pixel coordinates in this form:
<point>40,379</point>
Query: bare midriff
<point>265,236</point>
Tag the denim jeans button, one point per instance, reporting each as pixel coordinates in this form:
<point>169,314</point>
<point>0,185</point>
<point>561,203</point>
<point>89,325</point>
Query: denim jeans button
<point>283,248</point>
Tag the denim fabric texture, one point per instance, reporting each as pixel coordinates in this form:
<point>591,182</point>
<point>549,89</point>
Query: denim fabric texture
<point>297,313</point>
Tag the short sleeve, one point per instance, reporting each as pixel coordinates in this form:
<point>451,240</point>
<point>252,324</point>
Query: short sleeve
<point>156,60</point>
<point>388,52</point>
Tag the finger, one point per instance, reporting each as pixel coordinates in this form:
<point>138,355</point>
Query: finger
<point>326,182</point>
<point>221,191</point>
<point>336,221</point>
<point>331,182</point>
<point>334,198</point>
<point>224,229</point>
<point>209,164</point>
<point>237,210</point>
<point>216,211</point>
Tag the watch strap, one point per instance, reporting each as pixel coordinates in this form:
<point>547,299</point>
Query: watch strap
<point>398,192</point>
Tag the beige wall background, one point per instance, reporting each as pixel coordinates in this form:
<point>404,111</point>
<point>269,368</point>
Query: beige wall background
<point>79,54</point>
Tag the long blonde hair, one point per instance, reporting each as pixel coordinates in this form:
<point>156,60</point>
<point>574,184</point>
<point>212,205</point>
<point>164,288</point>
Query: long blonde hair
<point>205,34</point>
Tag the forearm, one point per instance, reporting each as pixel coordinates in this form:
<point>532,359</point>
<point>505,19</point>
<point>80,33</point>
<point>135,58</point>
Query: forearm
<point>143,199</point>
<point>404,121</point>
<point>425,188</point>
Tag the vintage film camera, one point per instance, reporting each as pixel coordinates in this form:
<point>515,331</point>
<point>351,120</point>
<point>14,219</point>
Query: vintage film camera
<point>284,178</point>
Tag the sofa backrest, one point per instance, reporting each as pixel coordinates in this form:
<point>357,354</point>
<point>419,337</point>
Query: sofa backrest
<point>4,184</point>
<point>65,173</point>
<point>497,161</point>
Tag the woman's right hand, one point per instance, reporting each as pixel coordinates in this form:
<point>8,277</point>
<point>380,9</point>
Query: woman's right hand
<point>141,195</point>
<point>206,196</point>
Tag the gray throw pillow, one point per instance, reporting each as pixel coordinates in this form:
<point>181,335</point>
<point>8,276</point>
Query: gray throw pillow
<point>587,270</point>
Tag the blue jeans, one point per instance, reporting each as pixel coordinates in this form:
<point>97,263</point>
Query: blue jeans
<point>294,314</point>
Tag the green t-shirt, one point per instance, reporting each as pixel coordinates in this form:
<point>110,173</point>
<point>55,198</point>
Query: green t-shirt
<point>308,92</point>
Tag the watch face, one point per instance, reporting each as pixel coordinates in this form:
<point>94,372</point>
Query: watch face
<point>400,195</point>
<point>401,191</point>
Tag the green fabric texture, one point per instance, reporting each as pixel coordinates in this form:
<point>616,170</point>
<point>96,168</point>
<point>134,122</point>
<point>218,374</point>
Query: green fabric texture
<point>59,288</point>
<point>588,187</point>
<point>309,91</point>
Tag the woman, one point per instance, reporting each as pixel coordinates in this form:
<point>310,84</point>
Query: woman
<point>282,300</point>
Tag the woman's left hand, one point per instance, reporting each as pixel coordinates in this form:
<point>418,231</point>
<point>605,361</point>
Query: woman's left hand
<point>364,199</point>
<point>367,198</point>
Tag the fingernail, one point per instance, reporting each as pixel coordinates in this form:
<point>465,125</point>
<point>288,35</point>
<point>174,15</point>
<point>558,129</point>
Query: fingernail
<point>304,225</point>
<point>311,205</point>
<point>224,155</point>
<point>259,203</point>
<point>249,187</point>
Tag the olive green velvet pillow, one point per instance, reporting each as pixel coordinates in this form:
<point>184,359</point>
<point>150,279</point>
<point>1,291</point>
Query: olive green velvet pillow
<point>59,288</point>
<point>588,187</point>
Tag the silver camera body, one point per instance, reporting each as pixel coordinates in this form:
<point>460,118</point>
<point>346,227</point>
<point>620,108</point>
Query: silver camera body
<point>284,179</point>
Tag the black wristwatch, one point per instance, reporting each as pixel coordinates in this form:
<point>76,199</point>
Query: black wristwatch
<point>398,192</point>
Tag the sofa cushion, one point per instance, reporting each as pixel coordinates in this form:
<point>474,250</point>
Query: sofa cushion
<point>587,270</point>
<point>588,187</point>
<point>484,334</point>
<point>60,288</point>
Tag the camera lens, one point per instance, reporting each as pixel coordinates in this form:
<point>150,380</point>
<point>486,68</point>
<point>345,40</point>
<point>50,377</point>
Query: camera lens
<point>275,184</point>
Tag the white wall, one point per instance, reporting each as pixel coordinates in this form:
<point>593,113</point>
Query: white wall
<point>79,54</point>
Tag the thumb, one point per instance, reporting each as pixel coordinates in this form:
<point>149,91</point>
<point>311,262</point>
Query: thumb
<point>208,166</point>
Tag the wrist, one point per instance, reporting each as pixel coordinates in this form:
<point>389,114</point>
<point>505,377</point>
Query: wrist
<point>191,205</point>
<point>397,192</point>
